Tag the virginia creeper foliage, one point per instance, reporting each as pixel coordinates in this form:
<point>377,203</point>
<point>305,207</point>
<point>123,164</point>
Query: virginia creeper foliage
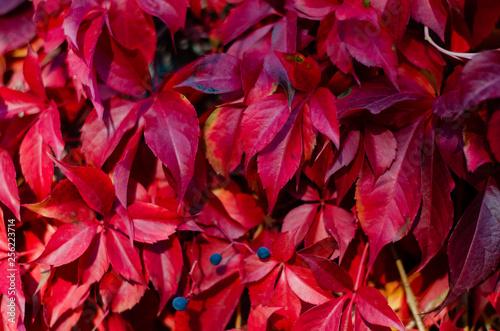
<point>250,164</point>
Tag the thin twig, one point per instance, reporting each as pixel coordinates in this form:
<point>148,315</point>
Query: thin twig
<point>410,297</point>
<point>455,55</point>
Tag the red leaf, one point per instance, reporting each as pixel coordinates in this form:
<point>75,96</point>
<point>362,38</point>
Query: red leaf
<point>316,9</point>
<point>100,137</point>
<point>475,143</point>
<point>329,275</point>
<point>374,310</point>
<point>474,245</point>
<point>212,309</point>
<point>36,165</point>
<point>298,220</point>
<point>431,13</point>
<point>9,193</point>
<point>278,161</point>
<point>258,317</point>
<point>94,263</point>
<point>64,204</point>
<point>324,317</point>
<point>243,17</point>
<point>123,256</point>
<point>163,263</point>
<point>372,46</point>
<point>324,114</point>
<point>255,269</point>
<point>93,184</point>
<point>118,294</point>
<point>283,247</point>
<point>304,73</point>
<point>304,285</point>
<point>33,74</point>
<point>380,146</point>
<point>436,217</point>
<point>14,102</point>
<point>341,224</point>
<point>172,134</point>
<point>290,305</point>
<point>215,74</point>
<point>68,243</point>
<point>134,29</point>
<point>262,121</point>
<point>153,223</point>
<point>124,70</point>
<point>387,206</point>
<point>171,12</point>
<point>49,123</point>
<point>222,136</point>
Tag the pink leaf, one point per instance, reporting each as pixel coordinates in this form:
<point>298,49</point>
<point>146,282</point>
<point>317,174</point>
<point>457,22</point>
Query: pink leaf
<point>329,275</point>
<point>474,245</point>
<point>123,256</point>
<point>374,310</point>
<point>94,186</point>
<point>172,134</point>
<point>341,224</point>
<point>14,102</point>
<point>9,193</point>
<point>64,204</point>
<point>36,165</point>
<point>68,243</point>
<point>298,220</point>
<point>163,263</point>
<point>215,74</point>
<point>387,206</point>
<point>255,269</point>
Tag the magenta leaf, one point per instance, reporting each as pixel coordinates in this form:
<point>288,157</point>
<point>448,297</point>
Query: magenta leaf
<point>303,283</point>
<point>172,134</point>
<point>94,263</point>
<point>215,73</point>
<point>93,184</point>
<point>14,102</point>
<point>380,146</point>
<point>68,243</point>
<point>171,12</point>
<point>431,13</point>
<point>474,245</point>
<point>493,135</point>
<point>374,310</point>
<point>33,74</point>
<point>49,123</point>
<point>324,114</point>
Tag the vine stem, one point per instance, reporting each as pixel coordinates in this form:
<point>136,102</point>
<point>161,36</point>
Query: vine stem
<point>455,55</point>
<point>410,297</point>
<point>361,263</point>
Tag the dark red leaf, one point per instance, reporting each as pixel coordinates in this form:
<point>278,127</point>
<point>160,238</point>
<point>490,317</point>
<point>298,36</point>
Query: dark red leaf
<point>380,146</point>
<point>316,9</point>
<point>430,13</point>
<point>474,245</point>
<point>172,134</point>
<point>304,73</point>
<point>341,224</point>
<point>68,243</point>
<point>493,135</point>
<point>93,184</point>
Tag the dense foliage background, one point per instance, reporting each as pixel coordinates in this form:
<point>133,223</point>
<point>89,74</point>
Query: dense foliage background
<point>249,164</point>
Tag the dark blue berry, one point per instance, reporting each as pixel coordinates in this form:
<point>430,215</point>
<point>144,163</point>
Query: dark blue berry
<point>180,303</point>
<point>263,253</point>
<point>215,259</point>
